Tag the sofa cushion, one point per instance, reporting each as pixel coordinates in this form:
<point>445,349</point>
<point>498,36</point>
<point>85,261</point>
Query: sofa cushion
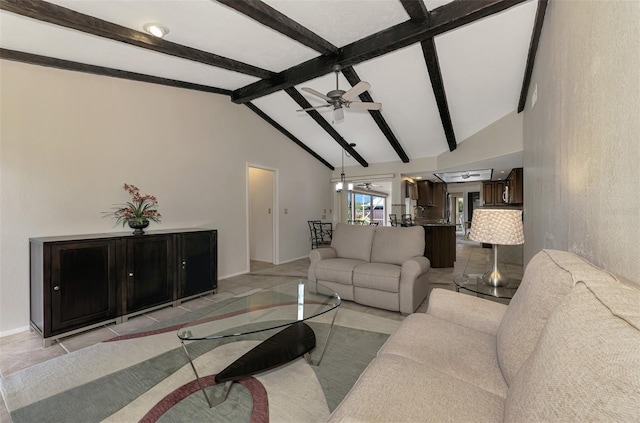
<point>549,276</point>
<point>353,241</point>
<point>396,245</point>
<point>586,364</point>
<point>467,354</point>
<point>337,270</point>
<point>381,276</point>
<point>397,389</point>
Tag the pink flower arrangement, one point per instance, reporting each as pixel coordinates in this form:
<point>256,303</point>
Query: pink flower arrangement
<point>141,208</point>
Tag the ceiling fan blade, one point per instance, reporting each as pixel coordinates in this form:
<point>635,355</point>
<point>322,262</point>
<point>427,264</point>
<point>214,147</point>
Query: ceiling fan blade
<point>316,93</point>
<point>364,105</point>
<point>338,114</point>
<point>356,90</point>
<point>313,108</point>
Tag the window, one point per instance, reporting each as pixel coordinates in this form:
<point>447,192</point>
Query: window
<point>366,208</point>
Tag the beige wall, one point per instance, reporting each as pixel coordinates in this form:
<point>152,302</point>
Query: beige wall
<point>69,141</point>
<point>582,138</point>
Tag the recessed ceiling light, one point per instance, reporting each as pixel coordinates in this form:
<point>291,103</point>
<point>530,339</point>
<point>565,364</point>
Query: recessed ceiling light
<point>418,177</point>
<point>156,30</point>
<point>502,171</point>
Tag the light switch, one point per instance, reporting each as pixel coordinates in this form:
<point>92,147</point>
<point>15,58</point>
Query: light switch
<point>286,211</point>
<point>269,210</point>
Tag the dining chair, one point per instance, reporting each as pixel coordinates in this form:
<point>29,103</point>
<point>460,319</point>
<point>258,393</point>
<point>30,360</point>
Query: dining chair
<point>393,219</point>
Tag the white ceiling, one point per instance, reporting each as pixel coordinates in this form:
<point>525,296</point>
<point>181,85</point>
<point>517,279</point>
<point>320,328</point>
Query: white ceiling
<point>482,64</point>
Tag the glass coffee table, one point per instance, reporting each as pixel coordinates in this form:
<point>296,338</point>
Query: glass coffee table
<point>283,309</point>
<point>473,282</point>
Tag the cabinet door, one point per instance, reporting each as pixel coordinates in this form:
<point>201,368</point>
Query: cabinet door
<point>149,271</point>
<point>198,262</point>
<point>498,193</point>
<point>487,193</point>
<point>83,284</point>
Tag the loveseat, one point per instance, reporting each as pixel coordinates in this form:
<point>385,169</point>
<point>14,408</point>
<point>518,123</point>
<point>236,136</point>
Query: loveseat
<point>566,349</point>
<point>379,266</point>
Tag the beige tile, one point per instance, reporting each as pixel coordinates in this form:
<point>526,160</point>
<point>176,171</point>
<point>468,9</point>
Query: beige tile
<point>167,313</point>
<point>26,352</point>
<point>4,413</point>
<point>199,302</point>
<point>135,324</point>
<point>86,339</point>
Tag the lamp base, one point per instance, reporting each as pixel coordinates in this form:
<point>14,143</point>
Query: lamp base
<point>495,278</point>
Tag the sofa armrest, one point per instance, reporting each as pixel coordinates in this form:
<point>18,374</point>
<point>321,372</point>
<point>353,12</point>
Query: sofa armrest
<point>465,310</point>
<point>416,266</point>
<point>322,254</point>
<point>414,283</point>
<point>316,256</point>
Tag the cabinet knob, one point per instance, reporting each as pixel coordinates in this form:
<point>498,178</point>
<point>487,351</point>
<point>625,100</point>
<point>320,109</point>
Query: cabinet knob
<point>130,275</point>
<point>56,288</point>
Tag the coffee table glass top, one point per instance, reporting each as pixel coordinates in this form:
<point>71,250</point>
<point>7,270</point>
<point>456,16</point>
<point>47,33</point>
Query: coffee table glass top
<point>269,309</point>
<point>473,282</point>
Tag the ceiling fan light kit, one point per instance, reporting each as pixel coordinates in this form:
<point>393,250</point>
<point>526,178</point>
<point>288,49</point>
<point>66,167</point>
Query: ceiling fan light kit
<point>156,29</point>
<point>340,99</point>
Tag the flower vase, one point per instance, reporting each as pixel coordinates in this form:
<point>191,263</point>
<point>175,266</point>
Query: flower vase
<point>138,226</point>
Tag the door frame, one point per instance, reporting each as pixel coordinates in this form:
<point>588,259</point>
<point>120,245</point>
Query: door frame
<point>275,213</point>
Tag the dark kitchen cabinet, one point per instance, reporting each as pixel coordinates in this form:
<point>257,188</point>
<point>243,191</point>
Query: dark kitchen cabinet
<point>494,193</point>
<point>515,183</point>
<point>81,282</point>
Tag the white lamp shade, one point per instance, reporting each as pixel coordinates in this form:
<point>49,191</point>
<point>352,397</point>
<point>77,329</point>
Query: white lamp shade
<point>497,226</point>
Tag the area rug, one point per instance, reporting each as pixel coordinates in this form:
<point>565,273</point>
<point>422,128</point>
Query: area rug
<point>145,377</point>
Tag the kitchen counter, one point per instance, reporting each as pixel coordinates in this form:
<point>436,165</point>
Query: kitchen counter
<point>440,243</point>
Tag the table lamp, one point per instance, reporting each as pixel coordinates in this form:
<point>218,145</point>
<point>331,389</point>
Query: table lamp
<point>497,226</point>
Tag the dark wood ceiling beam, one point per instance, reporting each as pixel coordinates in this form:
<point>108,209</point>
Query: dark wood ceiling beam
<point>58,15</point>
<point>287,134</point>
<point>51,62</point>
<point>270,17</point>
<point>419,13</point>
<point>416,10</point>
<point>533,48</point>
<point>353,79</point>
<point>303,103</point>
<point>435,75</point>
<point>442,19</point>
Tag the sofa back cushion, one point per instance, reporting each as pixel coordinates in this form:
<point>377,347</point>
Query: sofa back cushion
<point>586,364</point>
<point>548,277</point>
<point>353,241</point>
<point>395,245</point>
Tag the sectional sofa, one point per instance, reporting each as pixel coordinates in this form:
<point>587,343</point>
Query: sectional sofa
<point>379,266</point>
<point>566,349</point>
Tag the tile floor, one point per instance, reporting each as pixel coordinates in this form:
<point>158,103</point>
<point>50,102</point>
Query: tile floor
<point>24,349</point>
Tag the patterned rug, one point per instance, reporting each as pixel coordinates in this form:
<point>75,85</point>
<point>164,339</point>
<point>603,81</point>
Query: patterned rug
<point>147,378</point>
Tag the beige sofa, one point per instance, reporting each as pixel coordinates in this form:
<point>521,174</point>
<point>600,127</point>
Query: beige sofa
<point>379,266</point>
<point>566,349</point>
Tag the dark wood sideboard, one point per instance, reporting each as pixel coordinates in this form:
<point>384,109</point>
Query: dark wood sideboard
<point>440,244</point>
<point>81,282</point>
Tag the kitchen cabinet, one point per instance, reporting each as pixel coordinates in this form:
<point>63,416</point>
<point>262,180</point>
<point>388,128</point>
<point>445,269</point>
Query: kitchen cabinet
<point>81,282</point>
<point>515,184</point>
<point>493,193</point>
<point>440,245</point>
<point>432,196</point>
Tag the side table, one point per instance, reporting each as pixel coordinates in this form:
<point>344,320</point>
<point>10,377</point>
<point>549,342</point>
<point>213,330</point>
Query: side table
<point>473,282</point>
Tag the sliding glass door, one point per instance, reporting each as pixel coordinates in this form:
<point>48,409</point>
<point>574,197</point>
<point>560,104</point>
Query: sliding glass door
<point>366,208</point>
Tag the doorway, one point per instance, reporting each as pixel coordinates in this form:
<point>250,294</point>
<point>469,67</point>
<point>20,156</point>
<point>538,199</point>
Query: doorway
<point>261,215</point>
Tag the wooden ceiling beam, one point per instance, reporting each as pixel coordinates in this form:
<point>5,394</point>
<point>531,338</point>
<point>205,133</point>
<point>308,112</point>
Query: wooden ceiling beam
<point>270,17</point>
<point>58,15</point>
<point>303,103</point>
<point>531,56</point>
<point>435,75</point>
<point>442,19</point>
<point>34,59</point>
<point>287,134</point>
<point>419,13</point>
<point>353,79</point>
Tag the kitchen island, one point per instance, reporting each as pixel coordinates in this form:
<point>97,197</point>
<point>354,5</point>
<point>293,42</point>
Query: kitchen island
<point>440,243</point>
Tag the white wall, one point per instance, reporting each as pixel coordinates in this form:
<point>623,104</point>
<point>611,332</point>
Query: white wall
<point>68,141</point>
<point>582,138</point>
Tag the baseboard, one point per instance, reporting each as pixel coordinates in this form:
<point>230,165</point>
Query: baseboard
<point>293,259</point>
<point>14,331</point>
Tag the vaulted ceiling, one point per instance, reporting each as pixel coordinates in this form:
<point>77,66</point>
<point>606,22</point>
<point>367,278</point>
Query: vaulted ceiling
<point>443,70</point>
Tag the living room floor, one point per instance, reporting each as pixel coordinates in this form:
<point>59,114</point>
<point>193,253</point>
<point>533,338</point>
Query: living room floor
<point>25,349</point>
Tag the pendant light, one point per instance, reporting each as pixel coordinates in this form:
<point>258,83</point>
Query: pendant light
<point>340,185</point>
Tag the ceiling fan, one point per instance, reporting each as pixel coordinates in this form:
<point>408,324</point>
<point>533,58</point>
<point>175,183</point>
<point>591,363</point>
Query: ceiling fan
<point>467,175</point>
<point>367,185</point>
<point>339,98</point>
